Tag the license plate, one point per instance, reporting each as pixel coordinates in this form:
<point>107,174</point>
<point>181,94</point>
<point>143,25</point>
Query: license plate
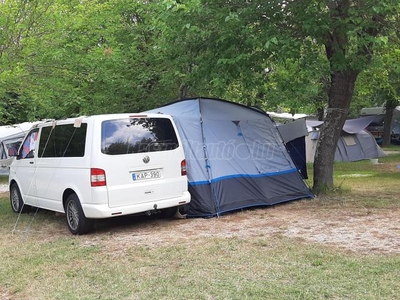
<point>150,174</point>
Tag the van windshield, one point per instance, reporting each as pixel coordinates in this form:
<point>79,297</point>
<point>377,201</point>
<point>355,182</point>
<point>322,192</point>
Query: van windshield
<point>137,135</point>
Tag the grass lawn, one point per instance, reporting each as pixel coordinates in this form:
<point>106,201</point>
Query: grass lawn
<point>138,258</point>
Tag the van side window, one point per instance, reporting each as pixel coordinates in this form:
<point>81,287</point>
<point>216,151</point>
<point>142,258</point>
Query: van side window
<point>137,135</point>
<point>29,144</point>
<point>63,141</point>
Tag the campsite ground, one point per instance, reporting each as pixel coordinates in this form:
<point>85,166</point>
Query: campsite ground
<point>362,230</point>
<point>353,231</point>
<point>334,221</point>
<point>337,220</point>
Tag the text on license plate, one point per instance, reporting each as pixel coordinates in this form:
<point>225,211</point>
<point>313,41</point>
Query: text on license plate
<point>150,174</point>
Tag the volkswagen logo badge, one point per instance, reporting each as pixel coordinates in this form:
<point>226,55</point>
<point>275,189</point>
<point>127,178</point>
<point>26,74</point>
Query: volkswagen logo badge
<point>146,159</point>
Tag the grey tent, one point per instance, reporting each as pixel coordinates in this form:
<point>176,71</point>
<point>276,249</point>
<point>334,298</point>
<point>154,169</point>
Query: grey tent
<point>376,126</point>
<point>235,157</point>
<point>355,143</point>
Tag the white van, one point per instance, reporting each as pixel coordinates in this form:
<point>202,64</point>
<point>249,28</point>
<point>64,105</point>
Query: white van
<point>99,167</point>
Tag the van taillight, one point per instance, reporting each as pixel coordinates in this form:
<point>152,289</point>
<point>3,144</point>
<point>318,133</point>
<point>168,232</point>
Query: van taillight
<point>97,177</point>
<point>183,167</point>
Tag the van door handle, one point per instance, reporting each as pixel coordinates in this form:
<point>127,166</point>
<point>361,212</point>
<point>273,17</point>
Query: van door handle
<point>31,162</point>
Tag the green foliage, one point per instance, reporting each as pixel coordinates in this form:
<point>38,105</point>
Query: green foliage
<point>13,109</point>
<point>72,57</point>
<point>226,50</point>
<point>380,83</point>
<point>91,57</point>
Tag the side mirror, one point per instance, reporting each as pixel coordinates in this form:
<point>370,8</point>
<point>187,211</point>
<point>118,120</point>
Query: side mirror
<point>31,154</point>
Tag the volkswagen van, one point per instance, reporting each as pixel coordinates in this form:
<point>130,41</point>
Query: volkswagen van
<point>100,167</point>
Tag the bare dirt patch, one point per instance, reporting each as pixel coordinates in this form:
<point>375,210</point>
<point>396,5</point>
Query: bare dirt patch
<point>3,188</point>
<point>357,229</point>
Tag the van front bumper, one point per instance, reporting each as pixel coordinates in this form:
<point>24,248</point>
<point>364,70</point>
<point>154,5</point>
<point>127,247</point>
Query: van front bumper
<point>102,211</point>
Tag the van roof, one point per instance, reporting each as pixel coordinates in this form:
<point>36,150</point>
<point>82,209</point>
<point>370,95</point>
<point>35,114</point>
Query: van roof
<point>103,117</point>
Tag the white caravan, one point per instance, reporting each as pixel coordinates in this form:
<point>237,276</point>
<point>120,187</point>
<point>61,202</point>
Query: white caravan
<point>99,167</point>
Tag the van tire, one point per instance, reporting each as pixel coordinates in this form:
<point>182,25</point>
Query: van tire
<point>16,202</point>
<point>76,221</point>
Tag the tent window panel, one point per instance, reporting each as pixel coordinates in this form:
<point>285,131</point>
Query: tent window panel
<point>226,149</point>
<point>267,152</point>
<point>349,140</point>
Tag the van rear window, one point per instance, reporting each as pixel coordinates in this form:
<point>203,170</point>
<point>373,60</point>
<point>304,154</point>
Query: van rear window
<point>137,135</point>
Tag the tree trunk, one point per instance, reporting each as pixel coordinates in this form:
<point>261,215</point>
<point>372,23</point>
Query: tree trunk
<point>387,123</point>
<point>340,95</point>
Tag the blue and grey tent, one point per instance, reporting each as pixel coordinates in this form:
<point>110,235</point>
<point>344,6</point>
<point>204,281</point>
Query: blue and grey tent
<point>235,157</point>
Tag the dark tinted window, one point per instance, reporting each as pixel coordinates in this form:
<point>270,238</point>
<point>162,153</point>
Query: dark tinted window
<point>137,135</point>
<point>63,141</point>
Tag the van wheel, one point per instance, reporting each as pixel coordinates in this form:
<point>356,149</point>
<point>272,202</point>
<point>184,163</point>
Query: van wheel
<point>76,220</point>
<point>17,204</point>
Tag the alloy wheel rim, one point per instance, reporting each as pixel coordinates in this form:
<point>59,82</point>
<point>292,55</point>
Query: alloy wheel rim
<point>72,215</point>
<point>14,200</point>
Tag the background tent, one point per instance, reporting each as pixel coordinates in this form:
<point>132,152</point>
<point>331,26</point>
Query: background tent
<point>235,157</point>
<point>355,143</point>
<point>376,125</point>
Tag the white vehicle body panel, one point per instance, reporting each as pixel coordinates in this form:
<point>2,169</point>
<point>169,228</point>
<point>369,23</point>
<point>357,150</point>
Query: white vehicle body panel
<point>45,181</point>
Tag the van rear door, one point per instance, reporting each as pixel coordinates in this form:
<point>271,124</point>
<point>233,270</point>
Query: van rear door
<point>142,159</point>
